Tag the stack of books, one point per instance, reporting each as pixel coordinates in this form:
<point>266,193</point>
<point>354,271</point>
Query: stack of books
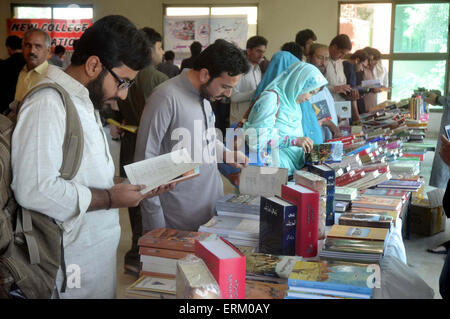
<point>237,230</point>
<point>246,206</point>
<point>329,280</point>
<point>161,249</point>
<point>355,243</point>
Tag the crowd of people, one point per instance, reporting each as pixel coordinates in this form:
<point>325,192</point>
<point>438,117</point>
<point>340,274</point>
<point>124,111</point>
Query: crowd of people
<point>116,63</point>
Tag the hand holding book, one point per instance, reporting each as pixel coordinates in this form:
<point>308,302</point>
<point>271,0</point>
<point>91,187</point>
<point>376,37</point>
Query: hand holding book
<point>306,143</point>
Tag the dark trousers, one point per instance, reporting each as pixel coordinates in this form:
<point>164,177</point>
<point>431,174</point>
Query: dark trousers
<point>444,279</point>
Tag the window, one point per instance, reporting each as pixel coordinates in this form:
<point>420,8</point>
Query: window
<point>411,35</point>
<point>72,11</point>
<point>183,25</point>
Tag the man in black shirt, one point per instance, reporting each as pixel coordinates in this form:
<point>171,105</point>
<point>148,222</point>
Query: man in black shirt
<point>196,48</point>
<point>10,69</point>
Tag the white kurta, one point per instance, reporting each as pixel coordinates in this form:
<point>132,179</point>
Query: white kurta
<point>335,76</point>
<point>90,238</point>
<point>243,92</point>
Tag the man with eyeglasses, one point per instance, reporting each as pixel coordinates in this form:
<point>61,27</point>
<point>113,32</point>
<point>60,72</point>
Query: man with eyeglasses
<point>177,115</point>
<point>318,57</point>
<point>131,110</point>
<point>105,62</point>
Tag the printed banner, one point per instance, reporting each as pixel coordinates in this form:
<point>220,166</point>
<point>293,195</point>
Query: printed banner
<point>61,32</point>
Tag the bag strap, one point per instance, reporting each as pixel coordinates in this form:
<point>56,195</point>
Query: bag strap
<point>73,140</point>
<point>72,155</point>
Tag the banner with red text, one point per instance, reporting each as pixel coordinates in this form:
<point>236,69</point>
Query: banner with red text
<point>61,32</point>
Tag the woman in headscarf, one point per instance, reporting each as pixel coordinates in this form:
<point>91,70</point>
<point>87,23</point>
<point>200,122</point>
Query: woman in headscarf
<point>280,62</point>
<point>282,117</point>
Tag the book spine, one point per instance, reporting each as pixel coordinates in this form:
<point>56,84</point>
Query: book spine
<point>307,220</point>
<point>289,230</point>
<point>330,176</point>
<point>270,227</point>
<point>164,253</point>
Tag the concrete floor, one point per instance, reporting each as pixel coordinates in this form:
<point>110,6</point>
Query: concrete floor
<point>425,264</point>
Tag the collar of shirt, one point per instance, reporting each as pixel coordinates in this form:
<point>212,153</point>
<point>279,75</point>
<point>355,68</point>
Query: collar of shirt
<point>41,68</point>
<point>72,86</point>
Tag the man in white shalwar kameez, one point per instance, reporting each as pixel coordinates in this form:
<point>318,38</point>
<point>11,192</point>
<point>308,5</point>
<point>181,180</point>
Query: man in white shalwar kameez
<point>106,60</point>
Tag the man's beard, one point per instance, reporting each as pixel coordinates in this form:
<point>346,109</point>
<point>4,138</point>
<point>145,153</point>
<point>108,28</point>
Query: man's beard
<point>96,94</point>
<point>204,93</point>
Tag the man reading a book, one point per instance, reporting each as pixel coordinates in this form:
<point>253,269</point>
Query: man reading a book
<point>178,114</point>
<point>104,64</point>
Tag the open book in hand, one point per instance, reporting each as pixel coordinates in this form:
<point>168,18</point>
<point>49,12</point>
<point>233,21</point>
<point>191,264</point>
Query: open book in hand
<point>161,170</point>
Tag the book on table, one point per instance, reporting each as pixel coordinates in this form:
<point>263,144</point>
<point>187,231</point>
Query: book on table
<point>386,203</point>
<point>358,232</point>
<point>277,226</point>
<point>232,226</point>
<point>366,220</point>
<point>173,167</point>
<point>346,193</point>
<point>172,239</point>
<point>195,281</point>
<point>151,287</point>
<point>307,202</point>
<point>329,277</point>
<point>226,263</point>
<point>325,153</point>
<point>262,180</point>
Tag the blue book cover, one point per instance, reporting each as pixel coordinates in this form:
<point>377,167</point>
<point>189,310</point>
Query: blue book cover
<point>277,226</point>
<point>360,149</point>
<point>330,275</point>
<point>329,217</point>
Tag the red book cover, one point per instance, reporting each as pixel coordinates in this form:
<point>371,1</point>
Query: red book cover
<point>352,179</point>
<point>345,177</point>
<point>344,139</point>
<point>307,231</point>
<point>227,265</point>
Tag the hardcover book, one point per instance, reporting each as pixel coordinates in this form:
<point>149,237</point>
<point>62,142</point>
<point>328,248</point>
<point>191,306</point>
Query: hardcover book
<point>172,239</point>
<point>362,233</point>
<point>366,220</point>
<point>330,176</point>
<point>329,275</point>
<point>322,110</point>
<point>270,265</point>
<point>385,203</point>
<point>264,290</point>
<point>277,226</point>
<point>226,263</point>
<point>307,201</point>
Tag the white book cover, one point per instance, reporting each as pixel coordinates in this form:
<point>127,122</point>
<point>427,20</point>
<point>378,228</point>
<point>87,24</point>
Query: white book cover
<point>160,170</point>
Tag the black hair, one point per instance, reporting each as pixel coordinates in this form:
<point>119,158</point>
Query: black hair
<point>196,48</point>
<point>256,41</point>
<point>342,41</point>
<point>152,36</point>
<point>293,48</point>
<point>59,49</point>
<point>116,41</point>
<point>14,42</point>
<point>361,55</point>
<point>222,56</point>
<point>303,36</point>
<point>169,55</point>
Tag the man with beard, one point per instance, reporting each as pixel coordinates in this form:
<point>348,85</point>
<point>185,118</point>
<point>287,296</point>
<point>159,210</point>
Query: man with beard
<point>105,62</point>
<point>36,50</point>
<point>178,114</point>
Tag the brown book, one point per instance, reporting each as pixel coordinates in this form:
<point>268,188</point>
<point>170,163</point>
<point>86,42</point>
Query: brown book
<point>164,253</point>
<point>366,220</point>
<point>354,232</point>
<point>172,239</point>
<point>264,290</point>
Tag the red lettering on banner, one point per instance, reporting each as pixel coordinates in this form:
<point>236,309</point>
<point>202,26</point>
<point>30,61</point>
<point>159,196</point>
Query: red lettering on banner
<point>61,32</point>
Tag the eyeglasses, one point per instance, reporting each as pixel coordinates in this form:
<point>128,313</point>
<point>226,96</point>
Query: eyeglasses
<point>123,84</point>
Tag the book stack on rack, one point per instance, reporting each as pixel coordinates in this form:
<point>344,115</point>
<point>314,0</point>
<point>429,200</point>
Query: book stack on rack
<point>237,230</point>
<point>329,280</point>
<point>245,206</point>
<point>356,243</point>
<point>160,250</point>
